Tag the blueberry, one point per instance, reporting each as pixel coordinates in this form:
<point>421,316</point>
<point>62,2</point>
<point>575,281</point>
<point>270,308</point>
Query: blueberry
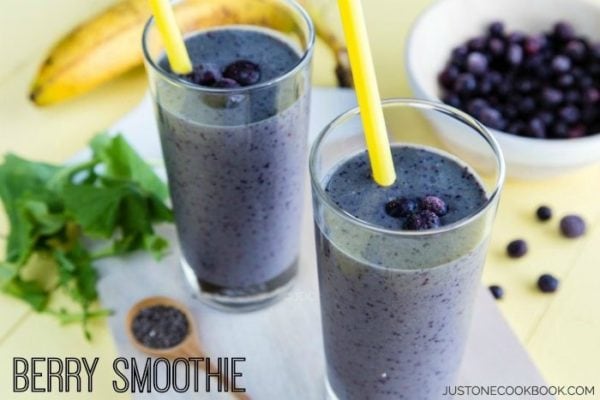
<point>476,106</point>
<point>569,114</point>
<point>492,118</point>
<point>546,117</point>
<point>496,29</point>
<point>452,100</point>
<point>204,74</point>
<point>547,283</point>
<point>560,130</point>
<point>572,226</point>
<point>465,84</point>
<point>517,128</point>
<point>496,47</point>
<point>421,221</point>
<point>400,207</point>
<point>516,37</point>
<point>561,64</point>
<point>564,31</point>
<point>517,248</point>
<point>551,97</point>
<point>544,213</point>
<point>576,50</point>
<point>595,50</point>
<point>477,63</point>
<point>577,131</point>
<point>514,55</point>
<point>533,45</point>
<point>536,128</point>
<point>435,205</point>
<point>226,83</point>
<point>459,55</point>
<point>244,72</point>
<point>566,80</point>
<point>591,95</point>
<point>448,76</point>
<point>526,105</point>
<point>497,291</point>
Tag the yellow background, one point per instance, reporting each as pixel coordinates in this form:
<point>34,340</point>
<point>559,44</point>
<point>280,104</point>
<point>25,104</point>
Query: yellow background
<point>561,331</point>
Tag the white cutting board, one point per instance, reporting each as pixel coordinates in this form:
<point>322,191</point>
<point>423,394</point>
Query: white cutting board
<point>282,344</point>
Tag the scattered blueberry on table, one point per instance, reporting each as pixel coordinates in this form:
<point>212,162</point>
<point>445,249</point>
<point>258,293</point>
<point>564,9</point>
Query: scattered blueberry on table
<point>544,86</point>
<point>547,283</point>
<point>517,248</point>
<point>160,327</point>
<point>544,213</point>
<point>572,226</point>
<point>497,291</point>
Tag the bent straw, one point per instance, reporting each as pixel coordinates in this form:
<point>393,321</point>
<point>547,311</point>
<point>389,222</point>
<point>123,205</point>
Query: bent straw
<point>177,54</point>
<point>367,92</point>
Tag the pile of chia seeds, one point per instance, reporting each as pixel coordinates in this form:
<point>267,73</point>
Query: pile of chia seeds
<point>160,327</point>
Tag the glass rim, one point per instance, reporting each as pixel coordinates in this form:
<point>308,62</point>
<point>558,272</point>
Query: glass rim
<point>305,59</point>
<point>415,104</point>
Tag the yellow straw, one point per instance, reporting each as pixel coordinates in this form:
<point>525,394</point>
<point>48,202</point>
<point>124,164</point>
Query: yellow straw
<point>367,92</point>
<point>171,36</point>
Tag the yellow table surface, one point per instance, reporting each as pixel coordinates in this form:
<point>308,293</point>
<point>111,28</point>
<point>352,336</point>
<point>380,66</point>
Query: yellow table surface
<point>560,331</point>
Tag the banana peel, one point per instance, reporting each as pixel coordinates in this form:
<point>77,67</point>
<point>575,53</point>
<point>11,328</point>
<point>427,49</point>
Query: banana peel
<point>109,44</point>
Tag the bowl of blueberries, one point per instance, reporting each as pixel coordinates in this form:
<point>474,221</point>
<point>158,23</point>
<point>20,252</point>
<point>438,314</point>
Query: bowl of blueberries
<point>528,70</point>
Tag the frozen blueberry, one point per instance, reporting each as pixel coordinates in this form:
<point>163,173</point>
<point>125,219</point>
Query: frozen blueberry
<point>244,72</point>
<point>536,128</point>
<point>448,76</point>
<point>226,83</point>
<point>477,63</point>
<point>421,221</point>
<point>561,64</point>
<point>576,50</point>
<point>572,226</point>
<point>496,47</point>
<point>569,114</point>
<point>547,283</point>
<point>476,106</point>
<point>514,54</point>
<point>435,205</point>
<point>517,248</point>
<point>465,84</point>
<point>533,45</point>
<point>204,74</point>
<point>401,207</point>
<point>544,213</point>
<point>497,291</point>
<point>477,44</point>
<point>564,31</point>
<point>492,118</point>
<point>496,29</point>
<point>551,97</point>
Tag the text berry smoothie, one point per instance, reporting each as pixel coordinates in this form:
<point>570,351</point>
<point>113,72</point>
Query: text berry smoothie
<point>234,136</point>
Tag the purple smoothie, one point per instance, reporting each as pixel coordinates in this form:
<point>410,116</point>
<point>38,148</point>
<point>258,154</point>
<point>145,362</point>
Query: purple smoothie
<point>396,310</point>
<point>236,165</point>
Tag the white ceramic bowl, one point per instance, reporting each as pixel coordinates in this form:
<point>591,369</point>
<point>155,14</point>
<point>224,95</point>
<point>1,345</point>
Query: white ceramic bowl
<point>449,23</point>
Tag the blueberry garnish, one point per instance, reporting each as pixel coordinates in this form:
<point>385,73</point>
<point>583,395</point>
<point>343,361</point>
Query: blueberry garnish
<point>517,248</point>
<point>435,205</point>
<point>544,213</point>
<point>422,220</point>
<point>226,83</point>
<point>572,226</point>
<point>547,283</point>
<point>244,72</point>
<point>497,291</point>
<point>400,207</point>
<point>204,74</point>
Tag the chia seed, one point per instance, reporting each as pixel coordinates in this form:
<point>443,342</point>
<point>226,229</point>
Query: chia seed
<point>160,327</point>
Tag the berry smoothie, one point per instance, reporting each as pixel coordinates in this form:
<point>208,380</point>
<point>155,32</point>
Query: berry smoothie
<point>236,160</point>
<point>396,310</point>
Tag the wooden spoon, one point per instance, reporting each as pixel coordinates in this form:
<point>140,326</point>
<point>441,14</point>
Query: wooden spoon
<point>189,347</point>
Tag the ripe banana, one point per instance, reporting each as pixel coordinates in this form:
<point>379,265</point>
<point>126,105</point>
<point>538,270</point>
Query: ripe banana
<point>110,44</point>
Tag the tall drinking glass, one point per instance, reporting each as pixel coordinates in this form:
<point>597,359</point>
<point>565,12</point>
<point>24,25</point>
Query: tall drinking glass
<point>235,153</point>
<point>398,271</point>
